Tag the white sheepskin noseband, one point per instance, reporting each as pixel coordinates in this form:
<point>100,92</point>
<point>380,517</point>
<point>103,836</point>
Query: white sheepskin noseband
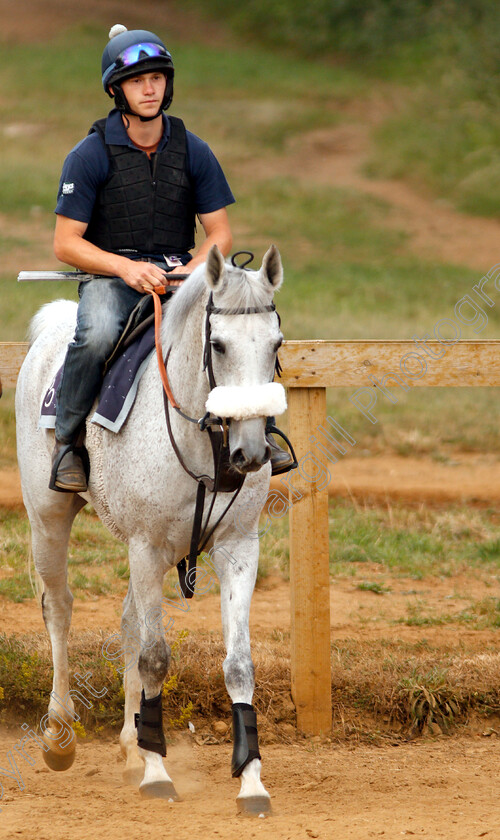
<point>243,401</point>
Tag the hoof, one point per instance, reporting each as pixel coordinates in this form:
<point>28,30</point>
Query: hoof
<point>159,790</point>
<point>133,775</point>
<point>58,761</point>
<point>254,806</point>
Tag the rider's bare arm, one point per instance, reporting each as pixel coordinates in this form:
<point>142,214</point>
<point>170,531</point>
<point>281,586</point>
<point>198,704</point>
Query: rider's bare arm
<point>217,232</point>
<point>70,247</point>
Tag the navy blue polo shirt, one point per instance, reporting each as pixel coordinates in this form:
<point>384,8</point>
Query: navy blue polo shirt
<point>86,169</point>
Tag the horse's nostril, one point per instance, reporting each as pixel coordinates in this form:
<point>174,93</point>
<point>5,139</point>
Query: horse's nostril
<point>237,458</point>
<point>267,455</point>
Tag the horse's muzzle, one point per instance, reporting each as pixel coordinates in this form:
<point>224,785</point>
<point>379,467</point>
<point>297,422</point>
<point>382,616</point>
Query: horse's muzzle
<point>244,463</point>
<point>248,447</point>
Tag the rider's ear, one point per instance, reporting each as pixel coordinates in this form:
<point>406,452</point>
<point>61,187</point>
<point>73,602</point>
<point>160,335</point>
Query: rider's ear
<point>272,268</point>
<point>215,268</point>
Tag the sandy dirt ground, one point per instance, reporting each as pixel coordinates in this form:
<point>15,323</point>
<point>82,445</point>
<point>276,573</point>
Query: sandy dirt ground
<point>471,478</point>
<point>433,787</point>
<point>428,790</point>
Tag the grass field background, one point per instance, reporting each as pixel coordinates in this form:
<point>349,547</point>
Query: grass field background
<point>347,275</point>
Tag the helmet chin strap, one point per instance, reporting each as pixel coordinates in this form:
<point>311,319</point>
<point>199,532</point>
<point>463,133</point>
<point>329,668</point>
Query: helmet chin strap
<point>122,105</point>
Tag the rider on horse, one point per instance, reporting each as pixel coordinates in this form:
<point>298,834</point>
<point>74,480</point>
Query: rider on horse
<point>128,199</point>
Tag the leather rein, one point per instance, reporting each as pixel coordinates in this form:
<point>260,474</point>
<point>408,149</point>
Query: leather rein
<point>225,479</point>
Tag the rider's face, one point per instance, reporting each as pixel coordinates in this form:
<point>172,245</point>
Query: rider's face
<point>145,93</point>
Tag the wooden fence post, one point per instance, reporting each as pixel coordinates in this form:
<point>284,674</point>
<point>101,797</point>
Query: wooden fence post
<point>309,566</point>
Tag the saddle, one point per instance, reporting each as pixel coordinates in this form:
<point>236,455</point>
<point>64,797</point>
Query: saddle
<point>140,319</point>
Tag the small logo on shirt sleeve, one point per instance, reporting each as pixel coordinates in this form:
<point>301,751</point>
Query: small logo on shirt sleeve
<point>68,189</point>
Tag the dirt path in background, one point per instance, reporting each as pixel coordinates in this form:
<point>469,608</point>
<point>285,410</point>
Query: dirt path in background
<point>335,158</point>
<point>472,479</point>
<point>332,157</point>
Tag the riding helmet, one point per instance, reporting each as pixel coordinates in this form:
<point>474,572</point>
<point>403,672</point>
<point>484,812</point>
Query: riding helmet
<point>129,53</point>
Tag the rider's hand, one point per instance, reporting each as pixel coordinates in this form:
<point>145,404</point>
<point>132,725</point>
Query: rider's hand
<point>143,276</point>
<point>181,269</point>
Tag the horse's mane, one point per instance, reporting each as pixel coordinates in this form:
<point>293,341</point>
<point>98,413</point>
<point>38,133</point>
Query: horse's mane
<point>240,290</point>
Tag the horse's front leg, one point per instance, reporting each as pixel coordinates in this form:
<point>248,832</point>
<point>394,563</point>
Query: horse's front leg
<point>147,567</point>
<point>236,564</point>
<point>130,647</point>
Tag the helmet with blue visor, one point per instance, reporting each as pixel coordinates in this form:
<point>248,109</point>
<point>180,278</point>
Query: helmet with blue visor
<point>130,53</point>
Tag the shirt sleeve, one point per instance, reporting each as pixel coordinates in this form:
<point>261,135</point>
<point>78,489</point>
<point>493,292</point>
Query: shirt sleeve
<point>212,191</point>
<point>84,170</point>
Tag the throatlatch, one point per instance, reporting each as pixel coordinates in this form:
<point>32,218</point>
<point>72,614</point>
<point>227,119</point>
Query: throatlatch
<point>149,725</point>
<point>245,738</point>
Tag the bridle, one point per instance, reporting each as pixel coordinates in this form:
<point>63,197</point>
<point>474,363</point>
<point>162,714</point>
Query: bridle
<point>225,479</point>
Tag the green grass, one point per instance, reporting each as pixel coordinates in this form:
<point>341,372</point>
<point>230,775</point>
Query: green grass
<point>480,614</point>
<point>372,546</point>
<point>434,422</point>
<point>373,586</point>
<point>348,275</point>
<point>442,60</point>
<point>415,544</point>
<point>447,140</point>
<point>97,562</point>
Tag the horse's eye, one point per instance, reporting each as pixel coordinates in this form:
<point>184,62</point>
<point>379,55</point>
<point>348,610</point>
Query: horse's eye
<point>278,345</point>
<point>218,347</point>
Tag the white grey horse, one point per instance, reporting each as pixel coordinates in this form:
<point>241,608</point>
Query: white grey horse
<point>144,496</point>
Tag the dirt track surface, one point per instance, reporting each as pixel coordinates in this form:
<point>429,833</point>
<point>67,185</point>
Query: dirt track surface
<point>430,790</point>
<point>467,479</point>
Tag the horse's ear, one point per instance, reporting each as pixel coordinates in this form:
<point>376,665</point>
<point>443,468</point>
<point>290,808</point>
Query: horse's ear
<point>272,268</point>
<point>215,268</point>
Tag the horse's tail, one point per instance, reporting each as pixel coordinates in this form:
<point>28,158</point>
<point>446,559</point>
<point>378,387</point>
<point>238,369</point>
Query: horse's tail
<point>57,314</point>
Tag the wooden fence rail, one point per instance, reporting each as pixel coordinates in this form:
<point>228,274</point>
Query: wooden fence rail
<point>372,369</point>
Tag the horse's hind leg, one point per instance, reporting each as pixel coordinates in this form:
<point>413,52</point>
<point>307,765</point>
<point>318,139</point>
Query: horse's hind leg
<point>147,568</point>
<point>236,565</point>
<point>51,527</point>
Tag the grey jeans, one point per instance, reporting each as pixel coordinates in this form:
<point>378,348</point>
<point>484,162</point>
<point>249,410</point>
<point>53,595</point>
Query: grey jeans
<point>104,309</point>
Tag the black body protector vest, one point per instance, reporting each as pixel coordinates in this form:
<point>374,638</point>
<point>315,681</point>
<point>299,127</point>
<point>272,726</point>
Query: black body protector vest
<point>145,206</point>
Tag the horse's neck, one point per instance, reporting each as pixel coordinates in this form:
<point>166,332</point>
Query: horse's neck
<point>185,367</point>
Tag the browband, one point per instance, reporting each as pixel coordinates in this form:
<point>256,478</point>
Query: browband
<point>249,310</point>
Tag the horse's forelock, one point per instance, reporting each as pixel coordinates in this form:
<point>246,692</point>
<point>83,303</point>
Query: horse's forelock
<point>242,290</point>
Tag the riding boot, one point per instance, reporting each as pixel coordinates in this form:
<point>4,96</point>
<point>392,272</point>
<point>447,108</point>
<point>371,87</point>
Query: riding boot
<point>281,460</point>
<point>70,468</point>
